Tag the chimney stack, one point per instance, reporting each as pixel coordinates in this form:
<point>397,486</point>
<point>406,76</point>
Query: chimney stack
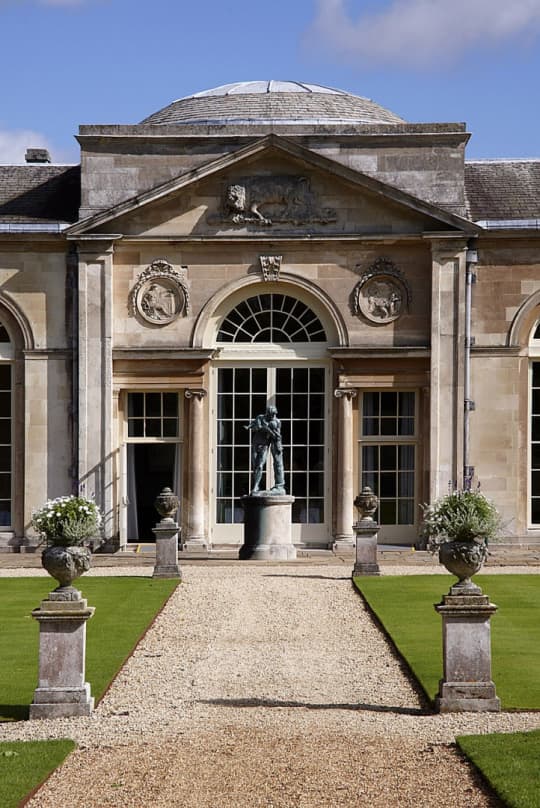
<point>37,156</point>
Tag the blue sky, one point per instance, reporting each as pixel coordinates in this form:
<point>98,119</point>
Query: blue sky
<point>67,62</point>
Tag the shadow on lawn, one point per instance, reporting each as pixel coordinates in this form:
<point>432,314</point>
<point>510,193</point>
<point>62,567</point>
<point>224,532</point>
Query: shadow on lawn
<point>14,712</point>
<point>307,577</point>
<point>373,708</point>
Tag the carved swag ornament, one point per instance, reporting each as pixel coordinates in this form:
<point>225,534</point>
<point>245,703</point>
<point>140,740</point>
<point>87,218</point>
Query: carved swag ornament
<point>265,200</point>
<point>160,295</point>
<point>382,294</point>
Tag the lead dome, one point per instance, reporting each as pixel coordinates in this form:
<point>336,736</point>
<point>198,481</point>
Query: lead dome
<point>268,102</point>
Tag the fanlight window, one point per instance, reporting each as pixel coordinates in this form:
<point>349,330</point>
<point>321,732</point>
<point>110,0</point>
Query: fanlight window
<point>271,318</point>
<point>536,334</point>
<point>4,336</point>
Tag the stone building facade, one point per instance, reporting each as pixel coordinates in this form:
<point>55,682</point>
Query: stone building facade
<point>269,242</point>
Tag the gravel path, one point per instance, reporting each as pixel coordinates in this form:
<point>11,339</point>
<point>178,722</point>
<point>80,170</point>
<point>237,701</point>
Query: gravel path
<point>264,686</point>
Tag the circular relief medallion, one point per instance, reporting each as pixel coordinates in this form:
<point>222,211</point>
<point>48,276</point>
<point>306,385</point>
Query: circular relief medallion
<point>160,301</point>
<point>381,299</point>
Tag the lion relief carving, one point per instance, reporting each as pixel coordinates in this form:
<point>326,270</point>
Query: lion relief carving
<point>264,200</point>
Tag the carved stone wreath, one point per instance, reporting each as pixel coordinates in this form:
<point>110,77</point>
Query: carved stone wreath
<point>382,294</point>
<point>160,295</point>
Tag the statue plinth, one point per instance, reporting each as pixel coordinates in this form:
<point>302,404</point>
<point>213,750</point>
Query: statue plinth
<point>267,528</point>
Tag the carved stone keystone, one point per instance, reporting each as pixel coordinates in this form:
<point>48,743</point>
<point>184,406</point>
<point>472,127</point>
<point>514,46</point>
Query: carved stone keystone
<point>366,531</point>
<point>466,685</point>
<point>62,691</point>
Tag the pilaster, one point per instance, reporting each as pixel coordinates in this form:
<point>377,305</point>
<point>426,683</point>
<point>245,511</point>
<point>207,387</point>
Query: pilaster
<point>97,461</point>
<point>344,539</point>
<point>447,363</point>
<point>196,535</point>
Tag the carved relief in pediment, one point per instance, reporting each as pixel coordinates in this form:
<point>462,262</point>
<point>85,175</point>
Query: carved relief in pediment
<point>160,294</point>
<point>266,200</point>
<point>382,294</point>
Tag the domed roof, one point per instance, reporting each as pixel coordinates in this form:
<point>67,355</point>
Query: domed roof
<point>267,102</point>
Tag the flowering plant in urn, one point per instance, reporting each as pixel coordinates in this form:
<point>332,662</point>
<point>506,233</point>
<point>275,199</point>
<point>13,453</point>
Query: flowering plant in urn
<point>66,522</point>
<point>459,526</point>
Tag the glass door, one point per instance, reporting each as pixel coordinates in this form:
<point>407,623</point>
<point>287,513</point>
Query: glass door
<point>299,393</point>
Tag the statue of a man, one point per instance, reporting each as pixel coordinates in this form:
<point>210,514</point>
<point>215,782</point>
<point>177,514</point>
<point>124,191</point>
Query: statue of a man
<point>266,434</point>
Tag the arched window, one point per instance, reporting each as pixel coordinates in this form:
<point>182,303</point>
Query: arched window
<point>6,427</point>
<point>271,318</point>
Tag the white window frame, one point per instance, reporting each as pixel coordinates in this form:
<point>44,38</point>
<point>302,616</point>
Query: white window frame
<point>393,534</point>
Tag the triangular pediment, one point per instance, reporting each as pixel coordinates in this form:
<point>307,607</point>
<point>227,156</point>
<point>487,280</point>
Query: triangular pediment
<point>273,187</point>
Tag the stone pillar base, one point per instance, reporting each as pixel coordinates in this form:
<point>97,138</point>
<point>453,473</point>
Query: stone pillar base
<point>62,691</point>
<point>466,685</point>
<point>61,702</point>
<point>461,697</point>
<point>366,548</point>
<point>195,546</point>
<point>267,528</point>
<point>343,544</point>
<point>166,533</point>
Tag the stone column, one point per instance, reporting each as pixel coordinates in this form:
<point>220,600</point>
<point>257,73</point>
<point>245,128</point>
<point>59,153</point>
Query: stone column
<point>447,363</point>
<point>62,691</point>
<point>344,539</point>
<point>466,685</point>
<point>195,524</point>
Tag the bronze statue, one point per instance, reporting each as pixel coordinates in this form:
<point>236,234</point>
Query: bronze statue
<point>266,434</point>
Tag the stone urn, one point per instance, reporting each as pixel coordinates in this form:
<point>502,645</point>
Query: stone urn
<point>166,505</point>
<point>463,559</point>
<point>66,564</point>
<point>367,503</point>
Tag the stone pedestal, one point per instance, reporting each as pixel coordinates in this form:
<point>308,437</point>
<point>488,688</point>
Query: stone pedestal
<point>166,533</point>
<point>466,684</point>
<point>366,531</point>
<point>62,691</point>
<point>267,528</point>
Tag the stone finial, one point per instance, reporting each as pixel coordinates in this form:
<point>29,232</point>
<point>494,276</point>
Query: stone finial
<point>367,503</point>
<point>166,504</point>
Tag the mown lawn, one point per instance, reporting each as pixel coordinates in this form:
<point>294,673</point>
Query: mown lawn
<point>510,763</point>
<point>125,607</point>
<point>24,765</point>
<point>404,605</point>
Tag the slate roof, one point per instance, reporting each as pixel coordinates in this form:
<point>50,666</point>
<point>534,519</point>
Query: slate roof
<point>503,189</point>
<point>272,102</point>
<point>40,193</point>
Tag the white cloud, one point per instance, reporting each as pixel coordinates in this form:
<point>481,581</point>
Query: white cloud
<point>14,142</point>
<point>420,32</point>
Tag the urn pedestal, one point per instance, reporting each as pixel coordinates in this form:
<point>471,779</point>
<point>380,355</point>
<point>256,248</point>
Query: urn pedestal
<point>366,532</point>
<point>166,532</point>
<point>62,691</point>
<point>268,528</point>
<point>466,685</point>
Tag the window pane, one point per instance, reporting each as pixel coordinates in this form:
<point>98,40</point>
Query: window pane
<point>316,432</point>
<point>136,428</point>
<point>5,430</point>
<point>388,457</point>
<point>406,457</point>
<point>225,380</point>
<point>388,485</point>
<point>388,404</point>
<point>135,405</point>
<point>406,426</point>
<point>389,426</point>
<point>406,512</point>
<point>5,377</point>
<point>535,508</point>
<point>536,373</point>
<point>242,407</point>
<point>170,427</point>
<point>153,405</point>
<point>370,458</point>
<point>5,485</point>
<point>5,405</point>
<point>225,432</point>
<point>406,405</point>
<point>5,513</point>
<point>5,458</point>
<point>170,405</point>
<point>153,428</point>
<point>387,512</point>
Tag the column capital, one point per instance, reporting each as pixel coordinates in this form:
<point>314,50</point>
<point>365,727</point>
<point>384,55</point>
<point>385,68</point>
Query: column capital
<point>345,392</point>
<point>198,392</point>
